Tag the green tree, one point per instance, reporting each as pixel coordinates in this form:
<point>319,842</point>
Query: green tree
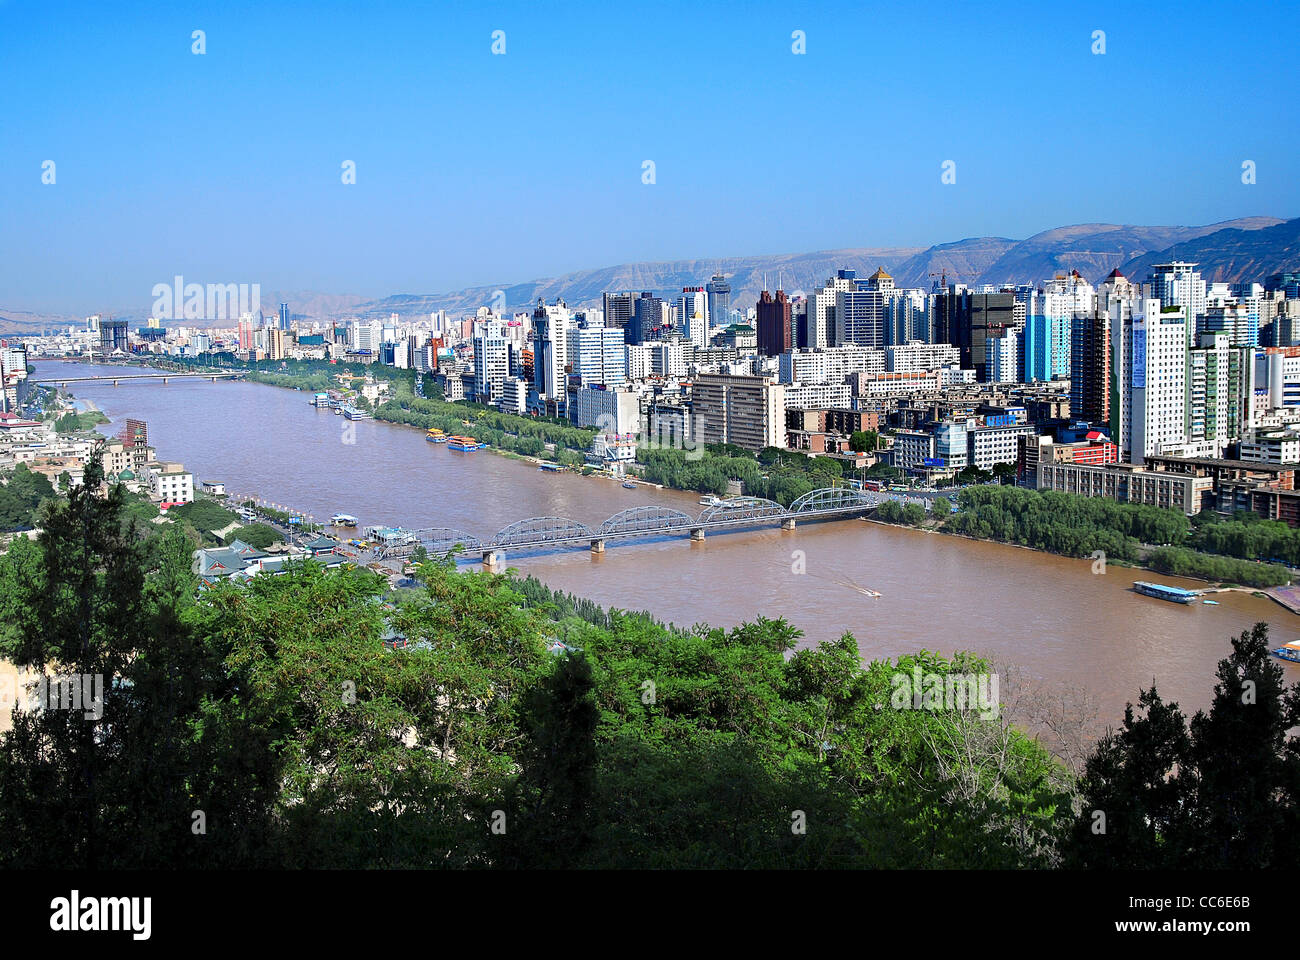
<point>115,783</point>
<point>864,441</point>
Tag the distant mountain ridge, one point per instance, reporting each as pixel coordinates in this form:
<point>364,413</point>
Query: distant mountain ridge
<point>1248,248</point>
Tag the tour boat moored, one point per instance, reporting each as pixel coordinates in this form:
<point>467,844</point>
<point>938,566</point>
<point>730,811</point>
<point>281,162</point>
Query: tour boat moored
<point>1162,592</point>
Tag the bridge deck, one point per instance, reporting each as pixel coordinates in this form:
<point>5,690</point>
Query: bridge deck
<point>652,521</point>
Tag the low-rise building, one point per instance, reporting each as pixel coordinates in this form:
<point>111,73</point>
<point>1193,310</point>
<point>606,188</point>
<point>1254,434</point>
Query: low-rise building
<point>170,482</point>
<point>1129,483</point>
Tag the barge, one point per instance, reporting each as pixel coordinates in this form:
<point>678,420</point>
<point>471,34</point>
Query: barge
<point>1162,592</point>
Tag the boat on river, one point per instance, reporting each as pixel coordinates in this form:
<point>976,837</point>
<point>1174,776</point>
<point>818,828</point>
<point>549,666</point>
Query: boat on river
<point>1289,651</point>
<point>464,443</point>
<point>1162,592</point>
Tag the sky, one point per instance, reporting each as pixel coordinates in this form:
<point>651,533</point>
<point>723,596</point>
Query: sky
<point>480,168</point>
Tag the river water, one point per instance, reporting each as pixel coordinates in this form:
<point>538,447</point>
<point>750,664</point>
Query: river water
<point>1052,617</point>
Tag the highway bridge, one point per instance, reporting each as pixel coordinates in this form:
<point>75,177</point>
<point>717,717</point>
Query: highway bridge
<point>830,503</point>
<point>164,377</point>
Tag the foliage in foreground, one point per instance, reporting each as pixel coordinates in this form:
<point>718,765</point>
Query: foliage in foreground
<point>268,724</point>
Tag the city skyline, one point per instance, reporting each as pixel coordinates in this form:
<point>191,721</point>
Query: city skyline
<point>474,167</point>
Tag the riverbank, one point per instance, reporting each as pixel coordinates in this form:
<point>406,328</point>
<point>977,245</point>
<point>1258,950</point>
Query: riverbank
<point>1291,604</point>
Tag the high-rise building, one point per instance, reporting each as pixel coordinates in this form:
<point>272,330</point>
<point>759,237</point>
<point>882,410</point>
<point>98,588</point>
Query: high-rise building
<point>693,311</point>
<point>1002,357</point>
<point>491,362</point>
<point>551,349</point>
<point>1050,314</point>
<point>775,326</point>
<point>113,336</point>
<point>619,309</point>
<point>135,433</point>
<point>821,323</point>
<point>861,313</point>
<point>975,318</point>
<point>284,316</point>
<point>1153,389</point>
<point>1179,284</point>
<point>746,411</point>
<point>719,299</point>
<point>1238,321</point>
<point>647,318</point>
<point>1222,391</point>
<point>1090,368</point>
<point>597,354</point>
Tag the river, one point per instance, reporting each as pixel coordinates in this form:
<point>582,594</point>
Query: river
<point>1050,616</point>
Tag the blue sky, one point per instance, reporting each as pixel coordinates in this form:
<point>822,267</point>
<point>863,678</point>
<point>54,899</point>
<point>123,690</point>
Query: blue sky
<point>482,169</point>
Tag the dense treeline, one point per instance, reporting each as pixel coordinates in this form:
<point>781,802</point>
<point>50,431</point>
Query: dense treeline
<point>1246,536</point>
<point>1064,523</point>
<point>21,494</point>
<point>1181,562</point>
<point>780,475</point>
<point>522,435</point>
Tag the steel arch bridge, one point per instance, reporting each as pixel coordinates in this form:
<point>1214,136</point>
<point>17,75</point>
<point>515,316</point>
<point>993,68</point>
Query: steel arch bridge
<point>832,498</point>
<point>743,508</point>
<point>828,503</point>
<point>540,530</point>
<point>645,520</point>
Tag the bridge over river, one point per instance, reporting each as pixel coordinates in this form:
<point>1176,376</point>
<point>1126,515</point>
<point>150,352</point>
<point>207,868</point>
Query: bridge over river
<point>115,377</point>
<point>734,513</point>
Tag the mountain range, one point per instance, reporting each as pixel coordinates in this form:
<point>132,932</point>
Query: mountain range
<point>1245,249</point>
<point>1249,248</point>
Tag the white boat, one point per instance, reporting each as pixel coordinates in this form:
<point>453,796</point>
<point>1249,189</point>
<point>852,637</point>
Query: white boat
<point>343,520</point>
<point>709,501</point>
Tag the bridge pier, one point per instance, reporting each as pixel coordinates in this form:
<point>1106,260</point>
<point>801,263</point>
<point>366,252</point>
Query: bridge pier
<point>787,523</point>
<point>697,534</point>
<point>493,557</point>
<point>115,383</point>
<point>164,381</point>
<point>598,545</point>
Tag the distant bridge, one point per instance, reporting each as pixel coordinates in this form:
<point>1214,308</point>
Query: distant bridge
<point>829,503</point>
<point>164,377</point>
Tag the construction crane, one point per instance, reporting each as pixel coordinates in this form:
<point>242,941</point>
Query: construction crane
<point>943,278</point>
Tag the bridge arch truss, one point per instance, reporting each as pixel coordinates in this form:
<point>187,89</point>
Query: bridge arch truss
<point>743,508</point>
<point>646,519</point>
<point>538,530</point>
<point>832,498</point>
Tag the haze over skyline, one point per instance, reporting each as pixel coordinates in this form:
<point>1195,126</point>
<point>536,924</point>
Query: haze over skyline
<point>474,168</point>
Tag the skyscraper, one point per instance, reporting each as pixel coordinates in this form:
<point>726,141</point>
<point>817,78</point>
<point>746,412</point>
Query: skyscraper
<point>491,362</point>
<point>719,297</point>
<point>860,312</point>
<point>693,309</point>
<point>1153,388</point>
<point>775,329</point>
<point>620,308</point>
<point>647,318</point>
<point>284,316</point>
<point>1090,368</point>
<point>551,349</point>
<point>821,322</point>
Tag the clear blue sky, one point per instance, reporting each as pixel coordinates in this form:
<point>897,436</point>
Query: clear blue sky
<point>481,169</point>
